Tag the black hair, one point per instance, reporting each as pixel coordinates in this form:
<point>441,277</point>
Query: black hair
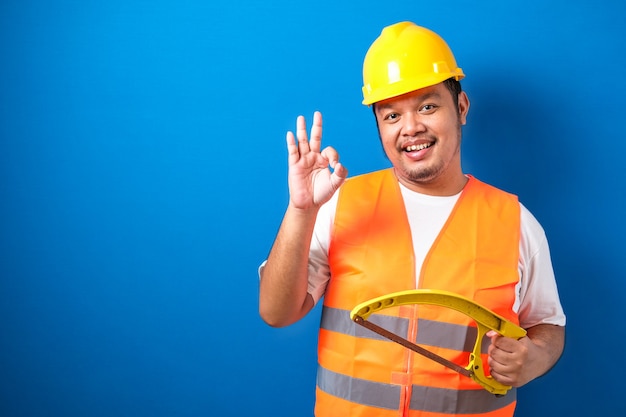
<point>454,87</point>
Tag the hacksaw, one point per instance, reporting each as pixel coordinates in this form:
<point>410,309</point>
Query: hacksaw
<point>485,319</point>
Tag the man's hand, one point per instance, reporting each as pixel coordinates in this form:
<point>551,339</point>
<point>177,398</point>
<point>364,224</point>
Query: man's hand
<point>311,182</point>
<point>516,362</point>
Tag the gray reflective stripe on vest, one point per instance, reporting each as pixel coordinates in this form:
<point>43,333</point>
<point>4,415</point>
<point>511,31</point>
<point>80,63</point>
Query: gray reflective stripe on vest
<point>359,391</point>
<point>429,399</point>
<point>431,333</point>
<point>337,320</point>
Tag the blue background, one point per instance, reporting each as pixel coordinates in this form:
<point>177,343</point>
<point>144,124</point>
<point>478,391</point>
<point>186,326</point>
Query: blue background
<point>143,178</point>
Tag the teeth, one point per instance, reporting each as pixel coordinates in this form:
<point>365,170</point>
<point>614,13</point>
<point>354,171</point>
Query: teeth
<point>417,147</point>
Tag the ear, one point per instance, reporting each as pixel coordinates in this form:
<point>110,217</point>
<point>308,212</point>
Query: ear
<point>464,105</point>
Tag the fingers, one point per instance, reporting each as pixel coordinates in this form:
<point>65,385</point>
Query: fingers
<point>297,148</point>
<point>301,134</point>
<point>338,176</point>
<point>316,132</point>
<point>339,173</point>
<point>506,359</point>
<point>299,145</point>
<point>331,155</point>
<point>303,145</point>
<point>292,149</point>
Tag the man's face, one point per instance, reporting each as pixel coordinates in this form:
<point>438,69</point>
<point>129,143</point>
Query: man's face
<point>421,135</point>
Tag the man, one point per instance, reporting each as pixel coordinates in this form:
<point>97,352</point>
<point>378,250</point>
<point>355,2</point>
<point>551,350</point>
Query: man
<point>421,224</point>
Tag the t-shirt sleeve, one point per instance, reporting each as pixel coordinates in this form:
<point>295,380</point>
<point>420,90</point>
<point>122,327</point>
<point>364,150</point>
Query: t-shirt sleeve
<point>539,301</point>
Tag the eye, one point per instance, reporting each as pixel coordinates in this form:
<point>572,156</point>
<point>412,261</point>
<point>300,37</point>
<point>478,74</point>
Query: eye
<point>428,108</point>
<point>391,117</point>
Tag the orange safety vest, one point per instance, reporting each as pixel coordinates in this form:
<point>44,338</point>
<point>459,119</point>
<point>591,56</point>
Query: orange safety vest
<point>361,374</point>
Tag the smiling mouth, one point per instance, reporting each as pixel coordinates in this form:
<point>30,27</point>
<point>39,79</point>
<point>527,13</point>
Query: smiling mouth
<point>413,148</point>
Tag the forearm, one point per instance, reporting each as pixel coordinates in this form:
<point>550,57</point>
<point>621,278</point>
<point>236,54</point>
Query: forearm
<point>548,342</point>
<point>283,297</point>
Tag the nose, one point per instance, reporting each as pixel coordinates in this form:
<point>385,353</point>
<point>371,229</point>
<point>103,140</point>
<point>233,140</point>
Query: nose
<point>412,124</point>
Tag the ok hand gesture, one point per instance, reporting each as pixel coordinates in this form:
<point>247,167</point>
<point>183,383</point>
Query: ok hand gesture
<point>311,182</point>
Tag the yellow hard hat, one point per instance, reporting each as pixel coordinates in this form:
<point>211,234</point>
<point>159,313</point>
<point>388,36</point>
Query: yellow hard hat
<point>404,58</point>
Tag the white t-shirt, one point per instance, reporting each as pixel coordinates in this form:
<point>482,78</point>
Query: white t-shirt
<point>537,298</point>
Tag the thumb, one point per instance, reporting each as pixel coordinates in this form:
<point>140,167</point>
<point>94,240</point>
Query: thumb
<point>339,175</point>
